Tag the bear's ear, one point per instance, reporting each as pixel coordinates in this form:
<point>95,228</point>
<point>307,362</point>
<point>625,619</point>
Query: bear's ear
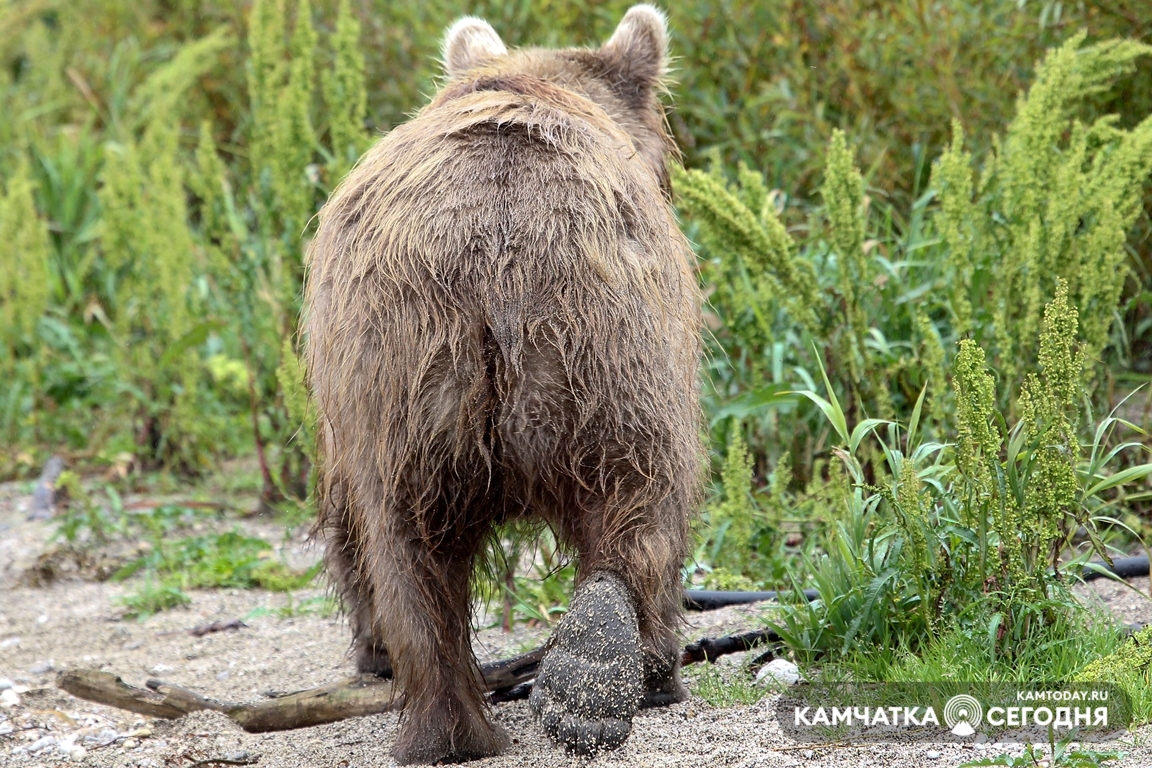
<point>638,49</point>
<point>468,43</point>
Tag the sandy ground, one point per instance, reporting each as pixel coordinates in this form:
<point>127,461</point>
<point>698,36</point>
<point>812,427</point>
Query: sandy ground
<point>76,623</point>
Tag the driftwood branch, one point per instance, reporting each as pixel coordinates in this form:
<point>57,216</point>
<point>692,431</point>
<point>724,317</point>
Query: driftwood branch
<point>353,697</point>
<point>709,649</point>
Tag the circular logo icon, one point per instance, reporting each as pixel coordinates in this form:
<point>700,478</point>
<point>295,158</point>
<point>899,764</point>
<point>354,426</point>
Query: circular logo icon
<point>962,713</point>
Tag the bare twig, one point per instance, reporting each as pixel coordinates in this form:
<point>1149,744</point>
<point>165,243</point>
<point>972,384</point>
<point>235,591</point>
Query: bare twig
<point>709,649</point>
<point>216,626</point>
<point>355,697</point>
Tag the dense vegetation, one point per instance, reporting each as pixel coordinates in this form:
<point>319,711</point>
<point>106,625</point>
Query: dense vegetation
<point>910,368</point>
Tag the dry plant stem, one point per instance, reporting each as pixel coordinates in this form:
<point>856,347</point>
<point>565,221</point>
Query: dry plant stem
<point>354,697</point>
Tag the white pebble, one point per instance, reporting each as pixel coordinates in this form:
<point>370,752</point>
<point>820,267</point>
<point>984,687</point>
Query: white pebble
<point>5,684</point>
<point>779,671</point>
<point>42,743</point>
<point>105,736</point>
<point>9,698</point>
<point>40,668</point>
<point>160,669</point>
<point>130,743</point>
<point>77,753</point>
<point>732,660</point>
<point>933,754</point>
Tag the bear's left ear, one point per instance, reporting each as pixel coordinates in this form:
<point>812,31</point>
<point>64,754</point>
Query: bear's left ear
<point>638,49</point>
<point>469,43</point>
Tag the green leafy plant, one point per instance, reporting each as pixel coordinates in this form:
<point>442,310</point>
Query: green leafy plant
<point>1130,667</point>
<point>536,580</point>
<point>228,559</point>
<point>1061,755</point>
<point>878,296</point>
<point>750,537</point>
<point>975,541</point>
<point>85,520</point>
<point>153,597</point>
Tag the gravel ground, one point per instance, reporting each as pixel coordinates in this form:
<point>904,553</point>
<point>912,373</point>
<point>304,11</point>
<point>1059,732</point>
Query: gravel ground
<point>76,623</point>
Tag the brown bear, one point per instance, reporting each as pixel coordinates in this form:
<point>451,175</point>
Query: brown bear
<point>502,321</point>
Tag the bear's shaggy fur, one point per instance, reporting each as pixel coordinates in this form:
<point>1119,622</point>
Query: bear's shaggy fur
<point>502,321</point>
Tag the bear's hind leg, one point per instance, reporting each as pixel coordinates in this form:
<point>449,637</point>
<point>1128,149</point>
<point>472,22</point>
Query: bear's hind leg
<point>425,595</point>
<point>343,542</point>
<point>662,684</point>
<point>616,650</point>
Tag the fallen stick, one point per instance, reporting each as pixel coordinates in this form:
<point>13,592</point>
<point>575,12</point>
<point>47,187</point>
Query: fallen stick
<point>216,626</point>
<point>354,697</point>
<point>709,649</point>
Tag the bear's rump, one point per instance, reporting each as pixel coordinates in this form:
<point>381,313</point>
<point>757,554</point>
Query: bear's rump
<point>486,405</point>
<point>531,331</point>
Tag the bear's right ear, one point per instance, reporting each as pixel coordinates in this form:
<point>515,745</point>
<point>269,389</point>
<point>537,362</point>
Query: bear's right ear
<point>469,43</point>
<point>638,49</point>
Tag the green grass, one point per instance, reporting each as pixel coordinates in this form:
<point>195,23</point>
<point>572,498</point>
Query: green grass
<point>1055,653</point>
<point>724,687</point>
<point>152,597</point>
<point>322,606</point>
<point>225,560</point>
<point>217,560</point>
<point>171,562</point>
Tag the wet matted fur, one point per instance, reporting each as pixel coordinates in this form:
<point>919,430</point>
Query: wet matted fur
<point>502,320</point>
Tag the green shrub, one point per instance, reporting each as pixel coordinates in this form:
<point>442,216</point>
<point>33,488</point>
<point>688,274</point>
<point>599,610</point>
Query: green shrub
<point>1046,208</point>
<point>881,297</point>
<point>1130,667</point>
<point>969,536</point>
<point>226,560</point>
<point>753,538</point>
